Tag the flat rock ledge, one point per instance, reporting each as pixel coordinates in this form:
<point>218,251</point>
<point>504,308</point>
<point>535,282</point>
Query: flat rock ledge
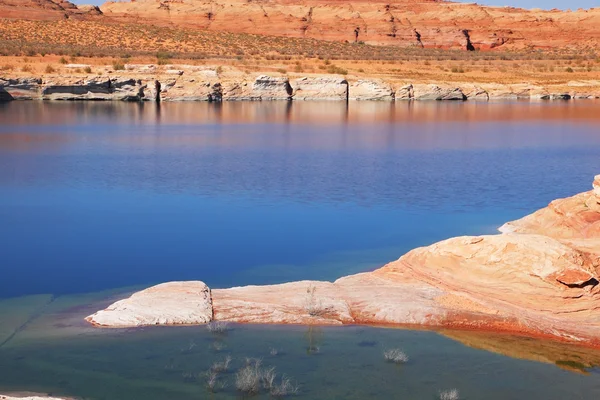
<point>538,277</point>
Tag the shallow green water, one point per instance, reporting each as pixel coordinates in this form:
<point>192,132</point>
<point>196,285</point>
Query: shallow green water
<point>56,352</point>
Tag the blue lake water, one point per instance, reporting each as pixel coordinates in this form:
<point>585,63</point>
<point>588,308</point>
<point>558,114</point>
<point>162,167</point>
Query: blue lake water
<point>99,196</point>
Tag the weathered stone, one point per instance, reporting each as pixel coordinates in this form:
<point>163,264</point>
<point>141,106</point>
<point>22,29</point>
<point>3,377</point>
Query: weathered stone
<point>477,94</point>
<point>20,89</point>
<point>98,88</point>
<point>370,90</point>
<point>191,89</point>
<point>433,92</point>
<point>302,302</point>
<point>271,88</point>
<point>321,88</point>
<point>173,303</point>
<point>405,93</point>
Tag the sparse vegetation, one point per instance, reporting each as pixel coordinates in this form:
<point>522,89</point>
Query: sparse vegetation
<point>218,327</point>
<point>213,383</point>
<point>248,379</point>
<point>451,394</point>
<point>63,60</point>
<point>87,70</point>
<point>221,366</point>
<point>274,352</point>
<point>313,305</point>
<point>253,378</point>
<point>395,355</point>
<point>118,65</point>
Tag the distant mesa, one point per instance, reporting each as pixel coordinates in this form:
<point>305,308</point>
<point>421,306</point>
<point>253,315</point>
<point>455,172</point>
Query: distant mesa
<point>404,23</point>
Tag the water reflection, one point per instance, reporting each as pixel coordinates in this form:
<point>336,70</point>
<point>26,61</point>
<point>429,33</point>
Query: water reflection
<point>63,113</point>
<point>566,356</point>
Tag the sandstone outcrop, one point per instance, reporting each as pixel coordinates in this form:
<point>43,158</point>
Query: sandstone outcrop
<point>20,88</point>
<point>434,92</point>
<point>152,82</point>
<point>48,10</point>
<point>371,90</point>
<point>405,93</point>
<point>538,277</point>
<point>320,88</point>
<point>97,88</point>
<point>173,303</point>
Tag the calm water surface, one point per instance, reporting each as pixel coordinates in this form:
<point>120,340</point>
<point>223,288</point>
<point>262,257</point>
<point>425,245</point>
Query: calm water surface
<point>97,197</point>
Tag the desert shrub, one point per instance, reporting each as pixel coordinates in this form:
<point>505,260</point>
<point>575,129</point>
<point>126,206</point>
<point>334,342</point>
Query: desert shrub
<point>569,70</point>
<point>213,383</point>
<point>49,69</point>
<point>395,355</point>
<point>312,304</point>
<point>63,60</point>
<point>252,378</point>
<point>87,70</point>
<point>248,379</point>
<point>332,69</point>
<point>118,65</point>
<point>221,366</point>
<point>284,388</point>
<point>26,68</point>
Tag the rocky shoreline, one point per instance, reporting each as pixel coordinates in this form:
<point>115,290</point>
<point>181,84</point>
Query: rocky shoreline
<point>538,277</point>
<point>174,83</point>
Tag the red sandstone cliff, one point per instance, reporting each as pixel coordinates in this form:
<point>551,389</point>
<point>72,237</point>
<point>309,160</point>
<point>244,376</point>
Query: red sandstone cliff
<point>425,23</point>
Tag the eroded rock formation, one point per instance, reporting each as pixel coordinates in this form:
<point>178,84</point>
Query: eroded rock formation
<point>539,277</point>
<point>195,83</point>
<point>426,23</point>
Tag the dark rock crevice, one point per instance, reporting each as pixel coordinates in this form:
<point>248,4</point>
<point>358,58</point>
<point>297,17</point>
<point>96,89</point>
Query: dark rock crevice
<point>469,46</point>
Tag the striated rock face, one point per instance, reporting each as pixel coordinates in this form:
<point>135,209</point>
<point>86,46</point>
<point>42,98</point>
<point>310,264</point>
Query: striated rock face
<point>98,88</point>
<point>425,23</point>
<point>198,83</point>
<point>49,10</point>
<point>539,277</point>
<point>433,92</point>
<point>271,88</point>
<point>263,88</point>
<point>20,89</point>
<point>321,88</point>
<point>371,90</point>
<point>405,93</point>
<point>173,303</point>
<point>193,87</point>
